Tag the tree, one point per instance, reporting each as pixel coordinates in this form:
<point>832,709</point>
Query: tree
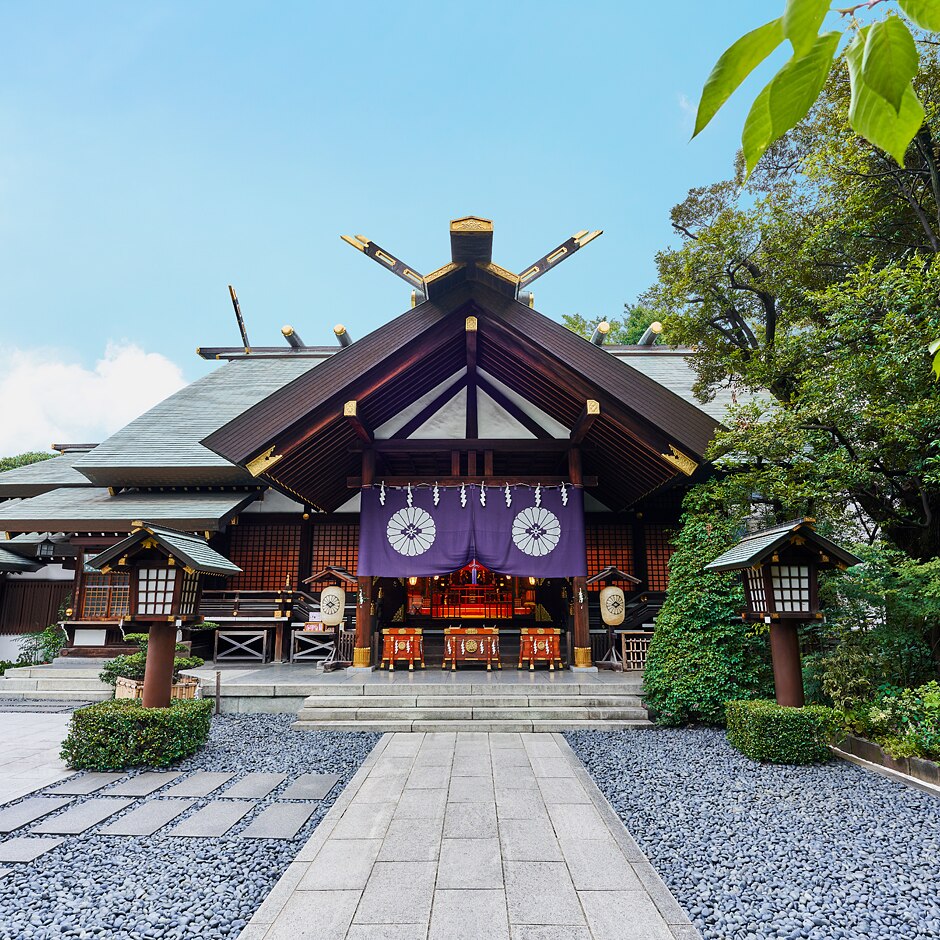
<point>882,58</point>
<point>625,332</point>
<point>22,460</point>
<point>812,286</point>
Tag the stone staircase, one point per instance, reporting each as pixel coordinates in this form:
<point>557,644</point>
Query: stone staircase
<point>477,707</point>
<point>54,683</point>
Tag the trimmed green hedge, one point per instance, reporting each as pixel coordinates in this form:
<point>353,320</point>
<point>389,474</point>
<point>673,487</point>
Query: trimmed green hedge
<point>765,731</point>
<point>119,734</point>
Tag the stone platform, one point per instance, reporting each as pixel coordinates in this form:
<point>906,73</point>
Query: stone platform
<point>432,699</point>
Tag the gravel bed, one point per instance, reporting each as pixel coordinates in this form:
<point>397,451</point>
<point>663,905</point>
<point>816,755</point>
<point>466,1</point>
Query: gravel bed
<point>753,851</point>
<point>156,887</point>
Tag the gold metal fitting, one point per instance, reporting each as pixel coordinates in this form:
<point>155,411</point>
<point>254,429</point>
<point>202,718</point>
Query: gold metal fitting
<point>471,325</point>
<point>339,329</point>
<point>362,657</point>
<point>582,657</point>
<point>287,330</point>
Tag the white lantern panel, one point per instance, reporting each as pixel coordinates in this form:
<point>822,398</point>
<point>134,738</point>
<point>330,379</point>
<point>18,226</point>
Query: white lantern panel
<point>791,588</point>
<point>613,606</point>
<point>155,591</point>
<point>754,578</point>
<point>332,605</point>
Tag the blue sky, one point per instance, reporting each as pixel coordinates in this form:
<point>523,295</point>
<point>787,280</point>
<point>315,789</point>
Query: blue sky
<point>152,153</point>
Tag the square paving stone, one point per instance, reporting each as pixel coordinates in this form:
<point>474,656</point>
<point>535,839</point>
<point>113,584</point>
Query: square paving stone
<point>280,821</point>
<point>421,804</point>
<point>200,783</point>
<point>215,819</point>
<point>611,915</point>
<point>470,863</point>
<point>87,783</point>
<point>467,915</point>
<point>529,840</point>
<point>341,866</point>
<point>25,849</point>
<point>143,784</point>
<point>470,821</point>
<point>599,866</point>
<point>314,915</point>
<point>412,840</point>
<point>29,810</point>
<point>541,893</point>
<point>310,787</point>
<point>364,821</point>
<point>83,816</point>
<point>397,893</point>
<point>145,820</point>
<point>254,786</point>
<point>470,790</point>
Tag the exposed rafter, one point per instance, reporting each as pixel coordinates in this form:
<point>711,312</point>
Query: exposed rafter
<point>589,414</point>
<point>351,414</point>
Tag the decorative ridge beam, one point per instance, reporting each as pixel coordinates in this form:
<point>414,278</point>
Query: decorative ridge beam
<point>472,424</point>
<point>388,261</point>
<point>565,250</point>
<point>471,240</point>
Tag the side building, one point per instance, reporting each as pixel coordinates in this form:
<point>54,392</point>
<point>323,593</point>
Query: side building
<point>469,412</point>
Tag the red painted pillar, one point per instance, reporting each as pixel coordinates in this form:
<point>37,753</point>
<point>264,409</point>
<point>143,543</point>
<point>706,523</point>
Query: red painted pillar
<point>788,669</point>
<point>158,677</point>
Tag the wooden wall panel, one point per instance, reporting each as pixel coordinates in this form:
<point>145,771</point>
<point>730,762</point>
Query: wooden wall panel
<point>26,606</point>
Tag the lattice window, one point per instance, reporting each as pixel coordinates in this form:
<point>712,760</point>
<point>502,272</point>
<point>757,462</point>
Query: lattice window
<point>754,580</point>
<point>335,545</point>
<point>105,596</point>
<point>188,593</point>
<point>659,550</point>
<point>609,545</point>
<point>155,591</point>
<point>791,588</point>
<point>269,556</point>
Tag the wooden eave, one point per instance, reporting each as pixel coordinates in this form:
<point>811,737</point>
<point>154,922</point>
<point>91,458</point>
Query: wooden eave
<point>316,450</point>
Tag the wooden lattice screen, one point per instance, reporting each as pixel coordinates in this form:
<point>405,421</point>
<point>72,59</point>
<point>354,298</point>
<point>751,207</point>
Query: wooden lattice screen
<point>608,545</point>
<point>659,550</point>
<point>334,545</point>
<point>269,556</point>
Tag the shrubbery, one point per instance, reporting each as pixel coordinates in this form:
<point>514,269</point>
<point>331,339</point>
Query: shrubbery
<point>905,722</point>
<point>702,654</point>
<point>120,734</point>
<point>42,646</point>
<point>134,665</point>
<point>768,732</point>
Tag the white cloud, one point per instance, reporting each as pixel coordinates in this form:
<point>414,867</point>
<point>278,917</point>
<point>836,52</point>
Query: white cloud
<point>45,399</point>
<point>688,110</point>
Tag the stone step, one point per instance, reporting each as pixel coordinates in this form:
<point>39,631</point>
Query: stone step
<point>53,684</point>
<point>517,724</point>
<point>55,696</point>
<point>472,714</point>
<point>473,701</point>
<point>56,672</point>
<point>403,686</point>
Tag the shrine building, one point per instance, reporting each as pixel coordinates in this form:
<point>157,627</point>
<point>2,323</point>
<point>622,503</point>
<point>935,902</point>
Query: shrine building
<point>471,473</point>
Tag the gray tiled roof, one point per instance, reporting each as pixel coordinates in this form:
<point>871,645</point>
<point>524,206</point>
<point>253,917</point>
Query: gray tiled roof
<point>758,546</point>
<point>13,562</point>
<point>44,475</point>
<point>672,368</point>
<point>92,509</point>
<point>163,445</point>
<point>192,550</point>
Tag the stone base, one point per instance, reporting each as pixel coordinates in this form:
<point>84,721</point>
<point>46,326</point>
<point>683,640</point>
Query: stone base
<point>583,668</point>
<point>359,670</point>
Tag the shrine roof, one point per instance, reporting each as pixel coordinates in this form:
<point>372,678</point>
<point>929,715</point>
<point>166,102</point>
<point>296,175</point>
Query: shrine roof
<point>42,476</point>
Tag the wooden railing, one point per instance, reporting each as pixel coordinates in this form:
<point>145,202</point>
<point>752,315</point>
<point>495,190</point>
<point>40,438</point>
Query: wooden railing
<point>271,607</point>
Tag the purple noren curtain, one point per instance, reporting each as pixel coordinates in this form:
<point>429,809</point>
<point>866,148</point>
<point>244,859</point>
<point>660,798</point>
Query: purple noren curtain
<point>432,537</point>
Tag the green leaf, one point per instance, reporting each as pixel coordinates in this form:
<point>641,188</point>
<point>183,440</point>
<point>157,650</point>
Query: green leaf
<point>787,98</point>
<point>872,116</point>
<point>925,13</point>
<point>801,22</point>
<point>734,66</point>
<point>890,59</point>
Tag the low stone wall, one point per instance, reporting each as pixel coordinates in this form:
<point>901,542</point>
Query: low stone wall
<point>927,771</point>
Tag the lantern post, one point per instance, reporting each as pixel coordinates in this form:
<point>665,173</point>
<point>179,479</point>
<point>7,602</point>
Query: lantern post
<point>613,605</point>
<point>780,568</point>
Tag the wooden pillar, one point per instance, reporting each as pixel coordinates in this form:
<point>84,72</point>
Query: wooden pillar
<point>362,650</point>
<point>788,669</point>
<point>158,676</point>
<point>582,632</point>
<point>362,653</point>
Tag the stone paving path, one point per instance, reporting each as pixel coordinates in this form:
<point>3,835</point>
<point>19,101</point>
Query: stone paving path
<point>29,758</point>
<point>470,835</point>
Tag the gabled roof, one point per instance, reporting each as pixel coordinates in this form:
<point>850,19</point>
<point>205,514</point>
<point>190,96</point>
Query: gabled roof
<point>163,446</point>
<point>91,509</point>
<point>42,476</point>
<point>644,436</point>
<point>760,546</point>
<point>192,550</point>
<point>11,562</point>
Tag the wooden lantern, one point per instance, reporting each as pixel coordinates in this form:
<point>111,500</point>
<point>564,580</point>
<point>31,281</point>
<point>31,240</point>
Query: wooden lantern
<point>780,567</point>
